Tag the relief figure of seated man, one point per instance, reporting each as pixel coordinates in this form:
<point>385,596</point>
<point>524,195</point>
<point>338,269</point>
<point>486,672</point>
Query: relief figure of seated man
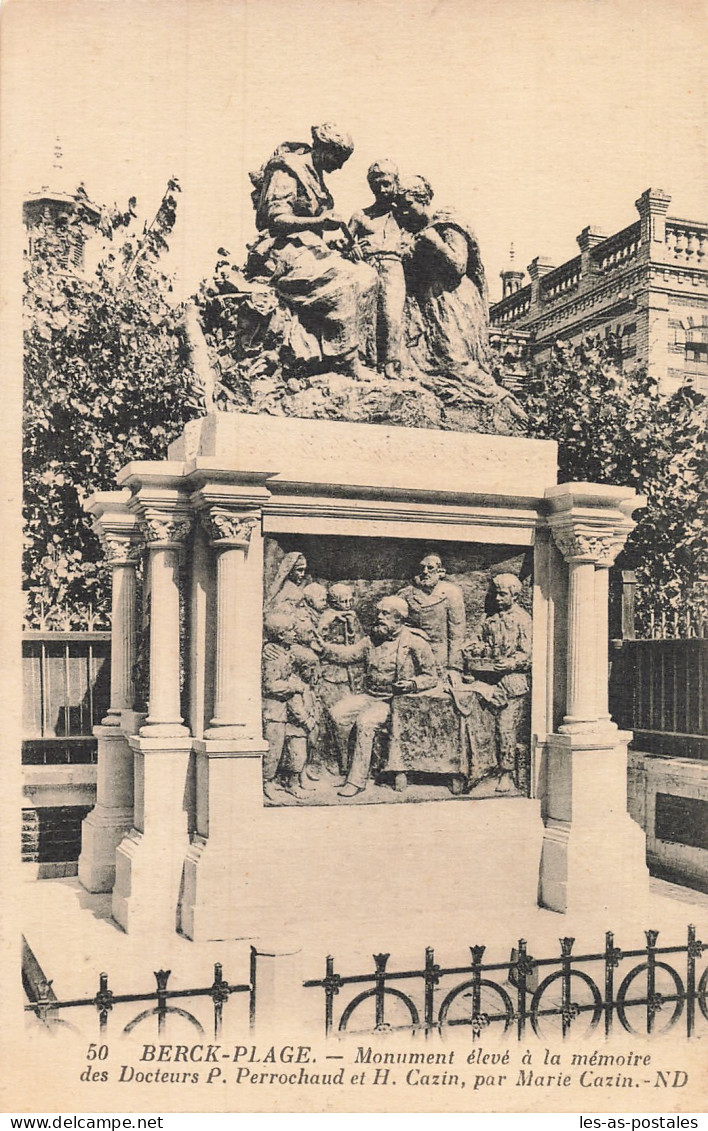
<point>397,661</point>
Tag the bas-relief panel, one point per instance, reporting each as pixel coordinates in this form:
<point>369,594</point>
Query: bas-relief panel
<point>393,671</point>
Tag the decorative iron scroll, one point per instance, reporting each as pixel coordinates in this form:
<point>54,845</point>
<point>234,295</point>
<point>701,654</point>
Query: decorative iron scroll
<point>560,994</point>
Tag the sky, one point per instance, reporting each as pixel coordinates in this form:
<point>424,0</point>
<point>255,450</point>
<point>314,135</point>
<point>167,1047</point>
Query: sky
<point>531,118</point>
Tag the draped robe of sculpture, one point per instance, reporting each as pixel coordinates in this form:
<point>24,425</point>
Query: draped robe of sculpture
<point>326,291</point>
<point>448,332</point>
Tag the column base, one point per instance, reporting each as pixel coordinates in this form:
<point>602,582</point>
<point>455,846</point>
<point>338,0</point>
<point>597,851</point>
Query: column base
<point>112,816</point>
<point>163,730</point>
<point>149,860</point>
<point>225,732</point>
<point>216,901</point>
<point>101,833</point>
<point>593,858</point>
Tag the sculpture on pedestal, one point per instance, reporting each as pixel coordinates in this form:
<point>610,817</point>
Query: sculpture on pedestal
<point>384,318</point>
<point>448,321</point>
<point>299,252</point>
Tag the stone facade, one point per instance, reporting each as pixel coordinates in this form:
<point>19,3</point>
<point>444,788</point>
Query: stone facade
<point>647,284</point>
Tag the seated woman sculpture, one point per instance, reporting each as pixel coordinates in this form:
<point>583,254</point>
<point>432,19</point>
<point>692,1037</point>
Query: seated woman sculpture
<point>448,326</point>
<point>299,256</point>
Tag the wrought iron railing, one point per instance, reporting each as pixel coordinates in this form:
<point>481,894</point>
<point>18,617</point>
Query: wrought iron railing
<point>50,1011</point>
<point>541,994</point>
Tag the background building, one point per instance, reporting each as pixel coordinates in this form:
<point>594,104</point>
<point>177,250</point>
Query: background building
<point>647,284</point>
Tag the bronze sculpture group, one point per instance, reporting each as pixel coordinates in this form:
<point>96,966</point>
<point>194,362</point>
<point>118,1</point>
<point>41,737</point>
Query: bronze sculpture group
<point>332,692</point>
<point>396,292</point>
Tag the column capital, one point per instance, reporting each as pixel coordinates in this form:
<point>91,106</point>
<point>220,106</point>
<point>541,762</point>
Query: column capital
<point>229,528</point>
<point>116,527</point>
<point>165,528</point>
<point>580,542</point>
<point>120,548</point>
<point>591,522</point>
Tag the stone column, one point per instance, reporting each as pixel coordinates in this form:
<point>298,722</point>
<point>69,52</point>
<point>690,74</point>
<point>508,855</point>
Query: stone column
<point>593,854</point>
<point>112,817</point>
<point>229,781</point>
<point>121,553</point>
<point>239,591</point>
<point>602,639</point>
<point>165,533</point>
<point>589,552</point>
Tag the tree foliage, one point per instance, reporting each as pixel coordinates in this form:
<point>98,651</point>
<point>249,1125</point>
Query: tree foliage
<point>107,380</point>
<point>613,426</point>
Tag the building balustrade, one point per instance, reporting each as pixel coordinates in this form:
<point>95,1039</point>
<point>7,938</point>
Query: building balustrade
<point>513,307</point>
<point>618,250</point>
<point>686,241</point>
<point>562,280</point>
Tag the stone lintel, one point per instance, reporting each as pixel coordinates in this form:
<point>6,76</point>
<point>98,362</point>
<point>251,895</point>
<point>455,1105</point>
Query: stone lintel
<point>108,504</point>
<point>335,455</point>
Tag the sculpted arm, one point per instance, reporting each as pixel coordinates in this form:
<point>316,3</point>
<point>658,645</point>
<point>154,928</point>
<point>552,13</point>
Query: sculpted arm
<point>426,676</point>
<point>346,653</point>
<point>523,644</point>
<point>451,247</point>
<point>456,625</point>
<point>280,207</point>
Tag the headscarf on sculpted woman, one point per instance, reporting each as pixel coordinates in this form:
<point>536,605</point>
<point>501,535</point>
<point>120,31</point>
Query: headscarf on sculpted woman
<point>295,211</point>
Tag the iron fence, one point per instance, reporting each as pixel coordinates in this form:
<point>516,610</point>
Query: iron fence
<point>49,1010</point>
<point>66,677</point>
<point>546,995</point>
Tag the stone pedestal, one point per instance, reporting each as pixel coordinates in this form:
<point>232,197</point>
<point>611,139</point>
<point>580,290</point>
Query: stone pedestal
<point>149,860</point>
<point>593,854</point>
<point>221,875</point>
<point>112,817</point>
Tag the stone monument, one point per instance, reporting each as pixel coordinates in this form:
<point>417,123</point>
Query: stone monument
<point>352,620</point>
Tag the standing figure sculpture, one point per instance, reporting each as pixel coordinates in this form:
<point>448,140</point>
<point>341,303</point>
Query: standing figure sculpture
<point>437,608</point>
<point>499,659</point>
<point>289,710</point>
<point>378,240</point>
<point>448,323</point>
<point>295,211</point>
